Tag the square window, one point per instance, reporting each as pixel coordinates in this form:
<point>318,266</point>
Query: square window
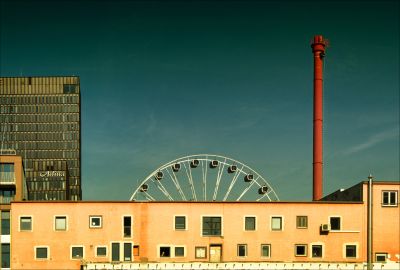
<point>60,223</point>
<point>335,223</point>
<point>212,226</point>
<point>101,251</point>
<point>389,198</point>
<point>179,251</point>
<point>250,223</point>
<point>266,250</point>
<point>301,222</point>
<point>180,223</point>
<point>351,251</point>
<point>276,223</point>
<point>76,252</point>
<point>41,253</point>
<point>242,250</point>
<point>25,223</point>
<point>316,251</point>
<point>95,221</point>
<point>381,257</point>
<point>165,251</point>
<point>201,252</point>
<point>300,250</point>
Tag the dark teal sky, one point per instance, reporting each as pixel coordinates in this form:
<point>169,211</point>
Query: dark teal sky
<point>165,79</point>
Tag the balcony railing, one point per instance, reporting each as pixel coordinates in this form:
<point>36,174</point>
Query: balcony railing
<point>7,178</point>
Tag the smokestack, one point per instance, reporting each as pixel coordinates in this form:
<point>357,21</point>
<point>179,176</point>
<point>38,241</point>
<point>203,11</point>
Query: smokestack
<point>318,49</point>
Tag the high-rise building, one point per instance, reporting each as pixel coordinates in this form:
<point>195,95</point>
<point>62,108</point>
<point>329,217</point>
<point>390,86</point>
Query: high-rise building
<point>40,119</point>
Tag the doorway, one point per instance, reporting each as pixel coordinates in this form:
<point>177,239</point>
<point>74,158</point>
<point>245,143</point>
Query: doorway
<point>215,253</point>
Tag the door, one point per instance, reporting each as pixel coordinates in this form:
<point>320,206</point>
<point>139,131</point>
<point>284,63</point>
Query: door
<point>215,253</point>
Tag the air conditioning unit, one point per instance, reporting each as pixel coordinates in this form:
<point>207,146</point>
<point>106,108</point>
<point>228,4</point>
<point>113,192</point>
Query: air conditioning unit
<point>325,227</point>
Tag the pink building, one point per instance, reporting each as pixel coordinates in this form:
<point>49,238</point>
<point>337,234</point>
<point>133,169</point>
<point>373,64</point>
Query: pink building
<point>131,235</point>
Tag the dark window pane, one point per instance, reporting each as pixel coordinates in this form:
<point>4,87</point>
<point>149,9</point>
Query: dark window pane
<point>26,224</point>
<point>335,223</point>
<point>77,252</point>
<point>115,252</point>
<point>127,227</point>
<point>250,223</point>
<point>165,251</point>
<point>212,226</point>
<point>101,251</point>
<point>127,252</point>
<point>242,250</point>
<point>180,223</point>
<point>179,251</point>
<point>5,222</point>
<point>351,251</point>
<point>317,251</point>
<point>41,253</point>
<point>5,255</point>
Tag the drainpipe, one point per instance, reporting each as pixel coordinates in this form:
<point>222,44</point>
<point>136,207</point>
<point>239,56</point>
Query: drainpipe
<point>369,224</point>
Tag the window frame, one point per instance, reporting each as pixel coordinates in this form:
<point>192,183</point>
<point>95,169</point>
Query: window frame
<point>186,223</point>
<point>101,256</point>
<point>55,223</point>
<point>71,252</point>
<point>377,254</point>
<point>238,251</point>
<point>35,253</point>
<point>296,254</point>
<point>198,248</point>
<point>322,250</point>
<point>184,251</point>
<point>281,224</point>
<point>340,223</point>
<point>95,226</point>
<point>269,250</point>
<point>355,245</point>
<point>298,219</point>
<point>390,203</point>
<point>244,224</point>
<point>212,216</point>
<point>123,227</point>
<point>164,246</point>
<point>20,219</point>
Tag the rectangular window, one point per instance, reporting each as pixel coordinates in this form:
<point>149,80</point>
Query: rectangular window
<point>165,252</point>
<point>25,224</point>
<point>242,250</point>
<point>276,223</point>
<point>351,251</point>
<point>5,255</point>
<point>200,252</point>
<point>381,257</point>
<point>179,251</point>
<point>95,221</point>
<point>212,226</point>
<point>389,198</point>
<point>316,251</point>
<point>249,223</point>
<point>301,222</point>
<point>127,252</point>
<point>335,223</point>
<point>266,250</point>
<point>127,226</point>
<point>115,252</point>
<point>41,253</point>
<point>136,250</point>
<point>300,250</point>
<point>180,223</point>
<point>60,223</point>
<point>76,252</point>
<point>101,251</point>
<point>5,222</point>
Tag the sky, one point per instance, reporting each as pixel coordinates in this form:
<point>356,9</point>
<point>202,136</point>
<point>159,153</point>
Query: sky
<point>166,79</point>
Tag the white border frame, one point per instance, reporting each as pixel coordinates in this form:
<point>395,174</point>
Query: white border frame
<point>66,223</point>
<point>41,259</point>
<point>184,251</point>
<point>100,246</point>
<point>351,244</point>
<point>306,250</point>
<point>222,225</point>
<point>123,228</point>
<point>76,246</point>
<point>255,223</point>
<point>316,244</point>
<point>110,253</point>
<point>270,250</point>
<point>19,223</point>
<point>94,226</point>
<point>282,223</point>
<point>301,228</point>
<point>186,223</point>
<point>122,251</point>
<point>246,251</point>
<point>396,198</point>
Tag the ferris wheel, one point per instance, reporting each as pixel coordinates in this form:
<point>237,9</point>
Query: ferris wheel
<point>204,177</point>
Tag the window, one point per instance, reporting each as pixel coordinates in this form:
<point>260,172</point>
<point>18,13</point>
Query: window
<point>351,251</point>
<point>127,252</point>
<point>127,226</point>
<point>212,226</point>
<point>179,251</point>
<point>95,221</point>
<point>41,253</point>
<point>335,223</point>
<point>381,257</point>
<point>276,223</point>
<point>5,222</point>
<point>76,252</point>
<point>136,250</point>
<point>389,198</point>
<point>115,252</point>
<point>101,251</point>
<point>249,223</point>
<point>5,256</point>
<point>242,250</point>
<point>60,223</point>
<point>165,252</point>
<point>300,250</point>
<point>316,251</point>
<point>25,223</point>
<point>180,223</point>
<point>200,252</point>
<point>301,222</point>
<point>266,250</point>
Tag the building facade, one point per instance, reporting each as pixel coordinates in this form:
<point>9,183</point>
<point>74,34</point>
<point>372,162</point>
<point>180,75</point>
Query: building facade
<point>236,235</point>
<point>40,119</point>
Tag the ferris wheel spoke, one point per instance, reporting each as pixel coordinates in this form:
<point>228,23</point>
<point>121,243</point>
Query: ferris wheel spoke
<point>263,196</point>
<point>163,190</point>
<point>234,179</point>
<point>219,175</point>
<point>189,175</point>
<point>204,174</point>
<point>148,196</point>
<point>245,191</point>
<point>176,183</point>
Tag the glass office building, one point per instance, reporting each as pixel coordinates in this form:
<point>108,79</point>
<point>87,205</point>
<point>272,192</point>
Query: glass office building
<point>40,119</point>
